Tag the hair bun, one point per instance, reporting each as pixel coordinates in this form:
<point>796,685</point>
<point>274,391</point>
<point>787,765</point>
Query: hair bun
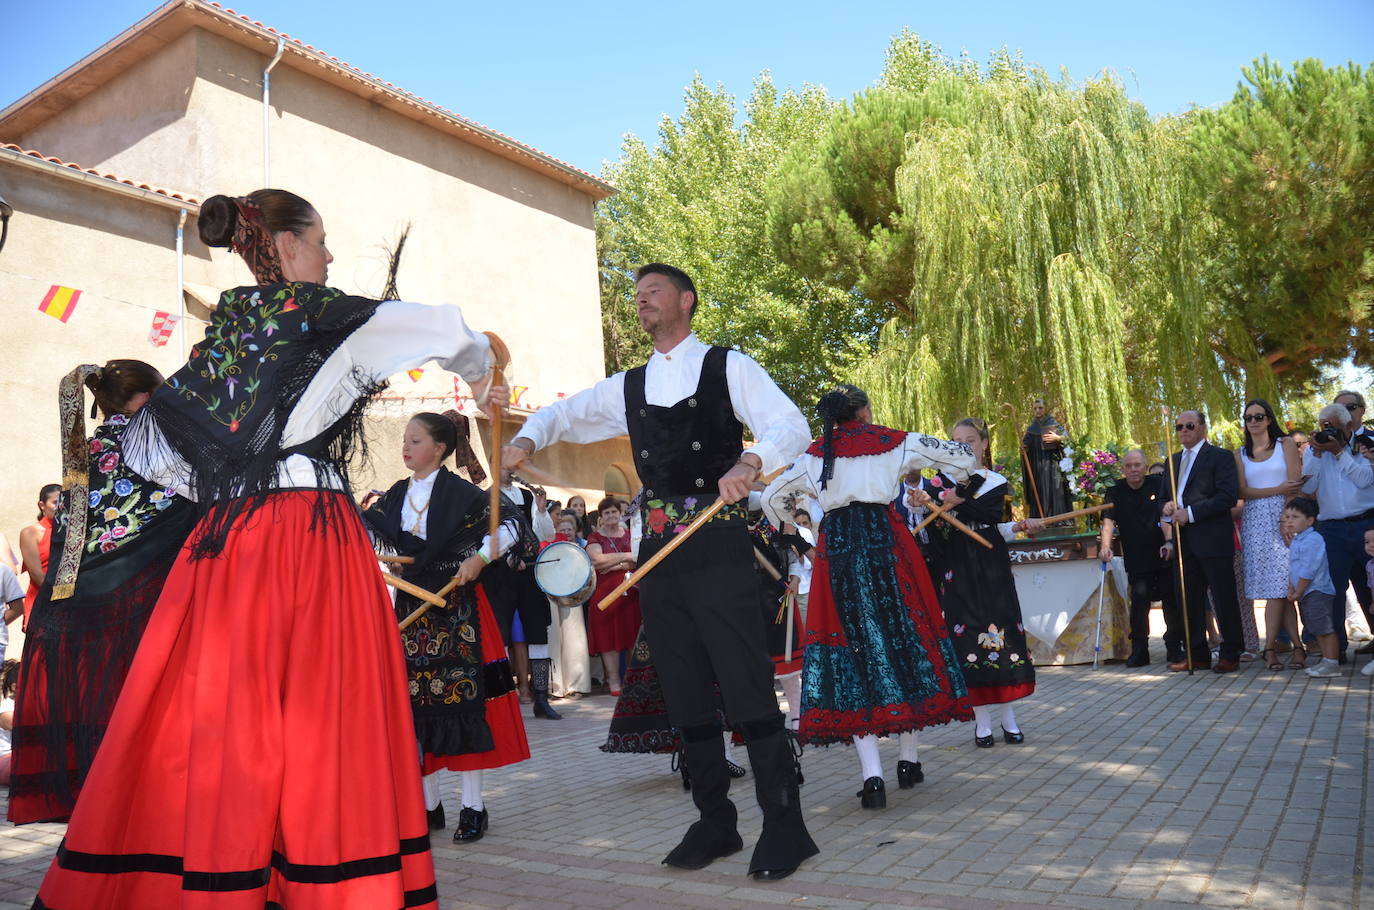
<point>834,405</point>
<point>94,379</point>
<point>218,219</point>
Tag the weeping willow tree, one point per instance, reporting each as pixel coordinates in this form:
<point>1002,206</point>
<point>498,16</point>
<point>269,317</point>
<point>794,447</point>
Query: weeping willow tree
<point>1036,237</point>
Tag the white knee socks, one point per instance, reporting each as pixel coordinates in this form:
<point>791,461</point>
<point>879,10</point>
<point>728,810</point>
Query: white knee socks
<point>907,742</point>
<point>1009,718</point>
<point>470,790</point>
<point>729,746</point>
<point>430,783</point>
<point>869,761</point>
<point>982,720</point>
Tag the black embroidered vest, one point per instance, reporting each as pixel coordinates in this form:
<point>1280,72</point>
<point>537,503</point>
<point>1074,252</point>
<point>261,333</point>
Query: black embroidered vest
<point>682,451</point>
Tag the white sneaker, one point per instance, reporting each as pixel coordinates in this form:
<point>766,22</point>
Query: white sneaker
<point>1367,669</point>
<point>1324,670</point>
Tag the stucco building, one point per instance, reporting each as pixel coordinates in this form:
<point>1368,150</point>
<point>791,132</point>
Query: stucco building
<point>195,100</point>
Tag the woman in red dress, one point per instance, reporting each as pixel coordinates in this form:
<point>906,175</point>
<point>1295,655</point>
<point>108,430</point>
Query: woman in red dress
<point>262,751</point>
<point>35,541</point>
<point>613,629</point>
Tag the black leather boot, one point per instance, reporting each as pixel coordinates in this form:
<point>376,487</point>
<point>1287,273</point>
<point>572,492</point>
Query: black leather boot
<point>539,678</point>
<point>714,834</point>
<point>784,841</point>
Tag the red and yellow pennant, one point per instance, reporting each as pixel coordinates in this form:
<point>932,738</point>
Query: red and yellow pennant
<point>415,375</point>
<point>60,302</point>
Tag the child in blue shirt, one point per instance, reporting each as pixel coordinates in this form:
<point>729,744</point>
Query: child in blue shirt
<point>1310,582</point>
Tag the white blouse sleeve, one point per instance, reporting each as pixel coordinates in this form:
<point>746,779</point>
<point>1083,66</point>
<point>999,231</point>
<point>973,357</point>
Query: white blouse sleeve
<point>589,416</point>
<point>779,429</point>
<point>953,458</point>
<point>399,336</point>
<point>796,479</point>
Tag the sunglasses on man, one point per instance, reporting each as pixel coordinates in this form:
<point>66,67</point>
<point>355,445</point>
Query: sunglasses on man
<point>1180,427</point>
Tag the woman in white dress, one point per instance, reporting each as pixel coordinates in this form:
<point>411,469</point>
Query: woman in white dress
<point>1270,470</point>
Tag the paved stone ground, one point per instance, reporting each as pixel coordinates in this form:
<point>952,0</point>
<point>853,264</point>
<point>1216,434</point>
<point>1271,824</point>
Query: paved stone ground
<point>1135,790</point>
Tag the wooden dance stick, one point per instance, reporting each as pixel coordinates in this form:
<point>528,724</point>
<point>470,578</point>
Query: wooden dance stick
<point>677,541</point>
<point>1030,476</point>
<point>767,566</point>
<point>400,584</point>
<point>1091,510</point>
<point>440,600</point>
<point>396,560</point>
<point>938,510</point>
<point>500,355</point>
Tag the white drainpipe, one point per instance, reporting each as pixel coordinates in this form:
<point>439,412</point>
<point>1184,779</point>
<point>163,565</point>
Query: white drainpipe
<point>266,115</point>
<point>181,283</point>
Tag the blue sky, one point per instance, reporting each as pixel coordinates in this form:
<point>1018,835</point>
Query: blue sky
<point>572,79</point>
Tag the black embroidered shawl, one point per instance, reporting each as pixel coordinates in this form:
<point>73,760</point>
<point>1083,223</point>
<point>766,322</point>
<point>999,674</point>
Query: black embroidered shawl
<point>225,411</point>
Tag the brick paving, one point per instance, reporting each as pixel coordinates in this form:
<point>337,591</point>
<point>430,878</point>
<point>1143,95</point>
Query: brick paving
<point>1135,790</point>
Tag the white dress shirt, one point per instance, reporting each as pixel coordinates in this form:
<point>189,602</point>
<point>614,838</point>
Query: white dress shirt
<point>799,567</point>
<point>866,478</point>
<point>399,336</point>
<point>541,522</point>
<point>1344,483</point>
<point>1187,472</point>
<point>598,413</point>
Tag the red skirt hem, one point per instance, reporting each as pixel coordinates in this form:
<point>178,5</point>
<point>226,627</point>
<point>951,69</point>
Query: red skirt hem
<point>997,695</point>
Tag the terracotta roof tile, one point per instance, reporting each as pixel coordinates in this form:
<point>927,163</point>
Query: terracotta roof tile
<point>183,197</point>
<point>398,90</point>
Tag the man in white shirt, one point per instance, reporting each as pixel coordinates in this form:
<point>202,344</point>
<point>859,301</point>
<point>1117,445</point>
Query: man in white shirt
<point>685,412</point>
<point>1344,486</point>
<point>11,604</point>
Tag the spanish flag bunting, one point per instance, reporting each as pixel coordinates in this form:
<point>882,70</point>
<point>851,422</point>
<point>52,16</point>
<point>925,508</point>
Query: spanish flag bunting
<point>516,393</point>
<point>415,375</point>
<point>60,302</point>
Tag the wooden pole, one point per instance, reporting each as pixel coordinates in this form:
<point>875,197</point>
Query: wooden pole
<point>396,560</point>
<point>400,584</point>
<point>1176,496</point>
<point>938,510</point>
<point>441,596</point>
<point>1077,513</point>
<point>500,356</point>
<point>677,541</point>
<point>1030,477</point>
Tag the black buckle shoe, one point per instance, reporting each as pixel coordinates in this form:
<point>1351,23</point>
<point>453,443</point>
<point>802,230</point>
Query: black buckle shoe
<point>771,875</point>
<point>909,774</point>
<point>437,822</point>
<point>471,825</point>
<point>983,742</point>
<point>1013,738</point>
<point>873,795</point>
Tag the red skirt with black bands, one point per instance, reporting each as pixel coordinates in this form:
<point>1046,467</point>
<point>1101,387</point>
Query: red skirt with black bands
<point>262,752</point>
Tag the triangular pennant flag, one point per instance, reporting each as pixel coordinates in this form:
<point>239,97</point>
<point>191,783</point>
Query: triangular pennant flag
<point>415,375</point>
<point>516,393</point>
<point>60,302</point>
<point>164,324</point>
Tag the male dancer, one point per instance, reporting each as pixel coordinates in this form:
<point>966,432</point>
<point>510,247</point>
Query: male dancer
<point>685,412</point>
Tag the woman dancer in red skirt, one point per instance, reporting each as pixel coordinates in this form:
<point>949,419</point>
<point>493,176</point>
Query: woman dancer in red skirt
<point>467,715</point>
<point>262,752</point>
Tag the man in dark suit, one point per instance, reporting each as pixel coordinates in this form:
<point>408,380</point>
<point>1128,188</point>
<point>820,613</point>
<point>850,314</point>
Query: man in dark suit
<point>1200,509</point>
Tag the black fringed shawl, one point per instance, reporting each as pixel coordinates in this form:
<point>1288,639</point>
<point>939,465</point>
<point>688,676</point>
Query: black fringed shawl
<point>224,412</point>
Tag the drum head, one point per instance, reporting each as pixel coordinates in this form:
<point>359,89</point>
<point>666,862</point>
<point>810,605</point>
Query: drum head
<point>562,569</point>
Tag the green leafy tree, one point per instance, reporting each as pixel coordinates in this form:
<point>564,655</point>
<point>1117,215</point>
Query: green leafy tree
<point>1286,168</point>
<point>1021,236</point>
<point>696,200</point>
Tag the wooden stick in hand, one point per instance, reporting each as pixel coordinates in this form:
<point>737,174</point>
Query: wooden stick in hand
<point>1091,510</point>
<point>940,510</point>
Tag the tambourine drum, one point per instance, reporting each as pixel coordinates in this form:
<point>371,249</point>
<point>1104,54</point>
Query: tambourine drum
<point>564,572</point>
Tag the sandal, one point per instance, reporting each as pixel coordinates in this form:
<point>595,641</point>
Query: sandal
<point>1297,658</point>
<point>1271,659</point>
